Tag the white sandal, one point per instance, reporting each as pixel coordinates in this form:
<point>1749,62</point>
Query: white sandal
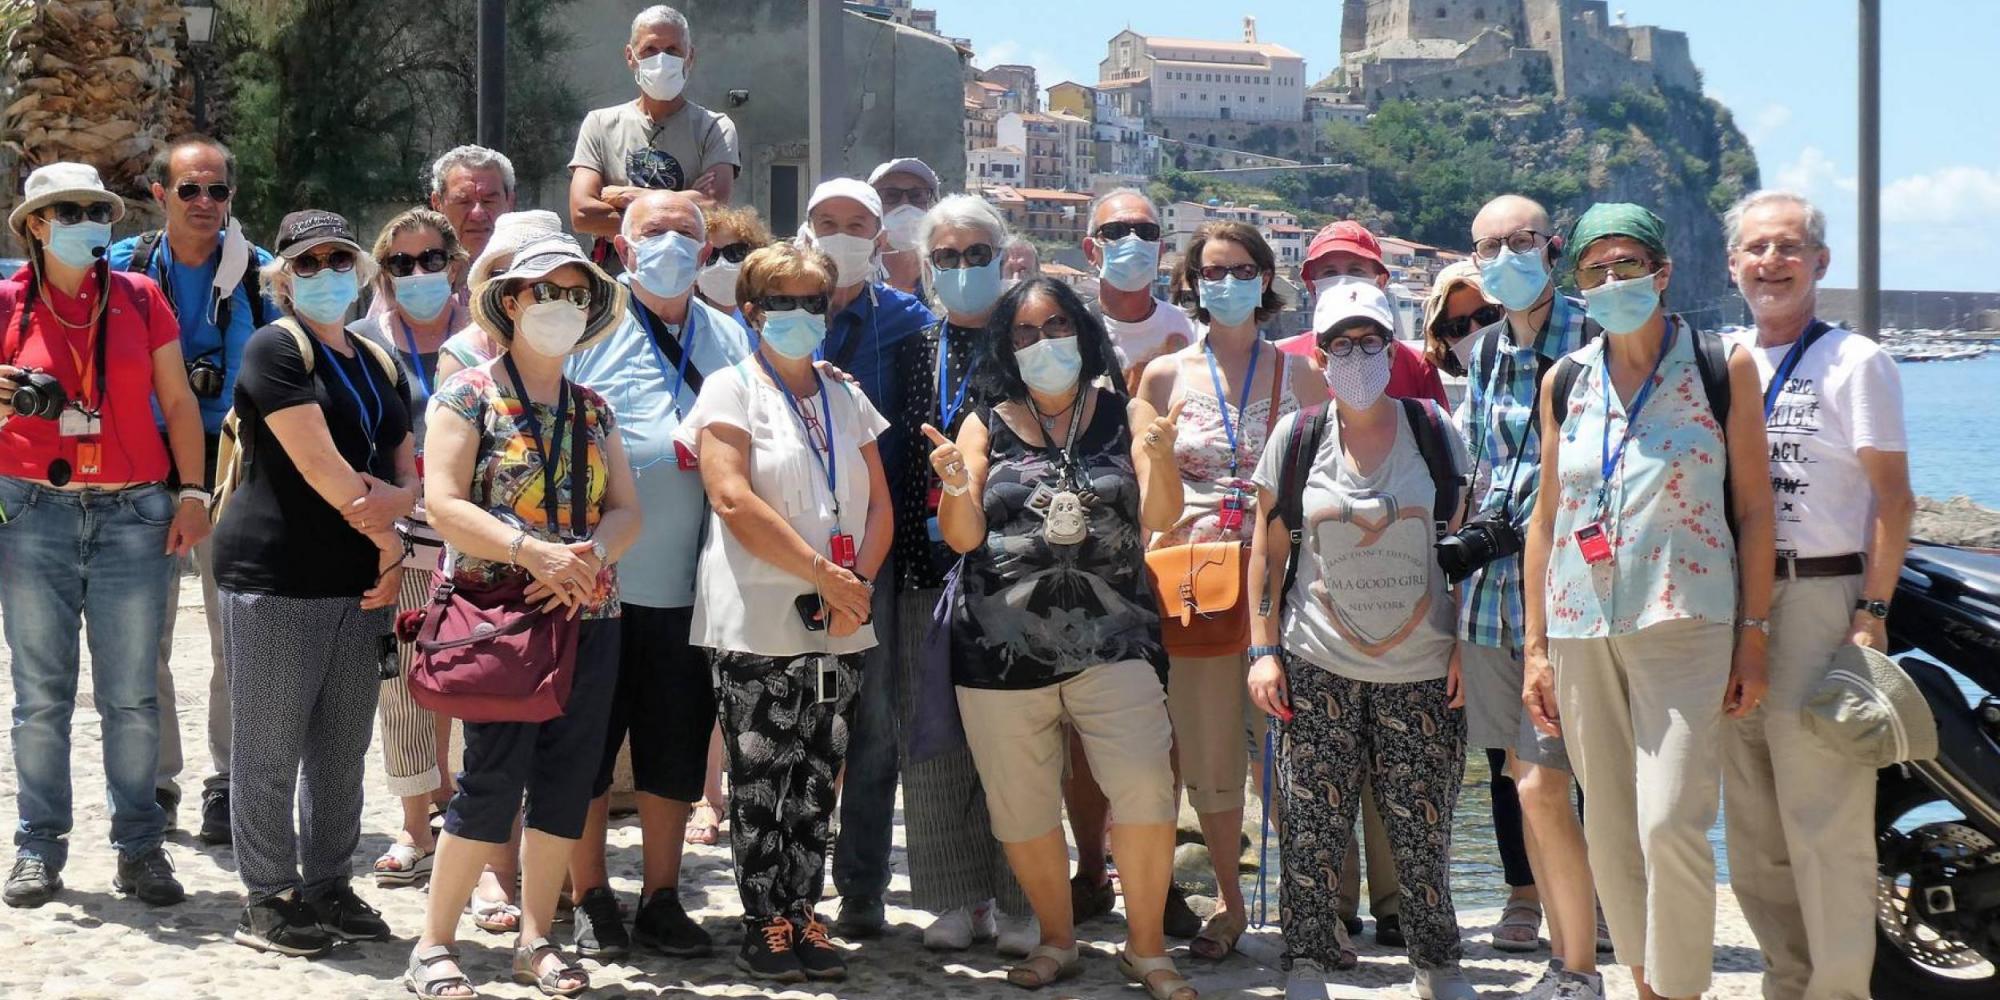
<point>1141,970</point>
<point>494,916</point>
<point>403,865</point>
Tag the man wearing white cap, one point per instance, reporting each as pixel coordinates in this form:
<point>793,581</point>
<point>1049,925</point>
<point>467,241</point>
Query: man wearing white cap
<point>866,320</point>
<point>908,188</point>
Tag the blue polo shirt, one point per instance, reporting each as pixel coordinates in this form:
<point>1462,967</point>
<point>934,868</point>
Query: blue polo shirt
<point>861,340</point>
<point>632,374</point>
<point>188,290</point>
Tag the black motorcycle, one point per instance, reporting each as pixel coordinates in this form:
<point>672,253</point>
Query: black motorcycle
<point>1937,823</point>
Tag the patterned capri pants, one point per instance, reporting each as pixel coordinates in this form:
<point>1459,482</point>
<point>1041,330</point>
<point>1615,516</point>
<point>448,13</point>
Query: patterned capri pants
<point>1413,746</point>
<point>785,735</point>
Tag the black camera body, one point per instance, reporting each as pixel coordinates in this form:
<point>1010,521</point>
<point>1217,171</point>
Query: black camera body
<point>205,378</point>
<point>39,394</point>
<point>1475,545</point>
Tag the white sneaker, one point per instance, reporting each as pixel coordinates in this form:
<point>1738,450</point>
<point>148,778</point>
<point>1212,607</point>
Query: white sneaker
<point>1018,935</point>
<point>1545,987</point>
<point>1448,983</point>
<point>1306,981</point>
<point>955,931</point>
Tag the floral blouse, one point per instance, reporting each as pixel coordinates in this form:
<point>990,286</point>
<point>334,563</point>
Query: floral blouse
<point>1202,449</point>
<point>507,473</point>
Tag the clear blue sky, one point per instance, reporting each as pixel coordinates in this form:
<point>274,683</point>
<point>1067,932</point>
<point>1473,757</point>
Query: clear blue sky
<point>1785,67</point>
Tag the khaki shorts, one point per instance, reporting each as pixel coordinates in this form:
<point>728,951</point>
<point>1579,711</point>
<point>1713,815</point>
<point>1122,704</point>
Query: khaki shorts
<point>1206,697</point>
<point>1495,719</point>
<point>1119,712</point>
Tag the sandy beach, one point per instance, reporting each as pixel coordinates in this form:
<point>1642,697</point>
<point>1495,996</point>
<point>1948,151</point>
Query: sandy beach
<point>93,943</point>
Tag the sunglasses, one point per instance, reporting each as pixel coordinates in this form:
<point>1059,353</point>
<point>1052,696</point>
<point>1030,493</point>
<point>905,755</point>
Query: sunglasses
<point>733,252</point>
<point>1114,231</point>
<point>189,191</point>
<point>1241,272</point>
<point>976,255</point>
<point>1370,344</point>
<point>1055,327</point>
<point>69,213</point>
<point>916,196</point>
<point>307,265</point>
<point>403,265</point>
<point>1519,241</point>
<point>549,291</point>
<point>1624,269</point>
<point>814,304</point>
<point>1455,327</point>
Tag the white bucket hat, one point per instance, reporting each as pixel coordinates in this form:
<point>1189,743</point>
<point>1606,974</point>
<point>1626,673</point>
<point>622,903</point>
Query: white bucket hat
<point>58,182</point>
<point>1868,710</point>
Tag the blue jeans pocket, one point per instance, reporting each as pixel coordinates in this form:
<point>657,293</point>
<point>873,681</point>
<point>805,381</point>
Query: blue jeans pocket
<point>152,505</point>
<point>17,498</point>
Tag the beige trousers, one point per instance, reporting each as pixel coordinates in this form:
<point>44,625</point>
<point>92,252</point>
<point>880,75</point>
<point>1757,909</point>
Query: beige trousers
<point>1642,716</point>
<point>1800,817</point>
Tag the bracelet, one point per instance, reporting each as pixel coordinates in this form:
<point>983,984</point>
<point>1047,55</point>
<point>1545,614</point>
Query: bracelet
<point>195,493</point>
<point>1760,624</point>
<point>957,491</point>
<point>1259,652</point>
<point>514,549</point>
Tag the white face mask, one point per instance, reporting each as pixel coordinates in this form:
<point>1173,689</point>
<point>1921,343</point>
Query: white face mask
<point>853,257</point>
<point>717,281</point>
<point>661,76</point>
<point>551,328</point>
<point>901,225</point>
<point>1464,350</point>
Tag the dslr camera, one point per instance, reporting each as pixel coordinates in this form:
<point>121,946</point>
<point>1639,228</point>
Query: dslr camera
<point>1476,544</point>
<point>205,378</point>
<point>39,394</point>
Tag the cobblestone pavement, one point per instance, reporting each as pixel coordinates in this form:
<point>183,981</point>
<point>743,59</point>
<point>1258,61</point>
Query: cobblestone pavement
<point>93,943</point>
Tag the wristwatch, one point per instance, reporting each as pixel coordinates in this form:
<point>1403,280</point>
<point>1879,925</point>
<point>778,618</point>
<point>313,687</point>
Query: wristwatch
<point>1880,609</point>
<point>1760,624</point>
<point>597,549</point>
<point>1259,652</point>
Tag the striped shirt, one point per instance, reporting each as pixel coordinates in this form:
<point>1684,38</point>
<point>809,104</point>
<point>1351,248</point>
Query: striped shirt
<point>1498,423</point>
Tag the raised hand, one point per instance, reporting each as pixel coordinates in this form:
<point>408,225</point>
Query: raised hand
<point>946,460</point>
<point>1165,430</point>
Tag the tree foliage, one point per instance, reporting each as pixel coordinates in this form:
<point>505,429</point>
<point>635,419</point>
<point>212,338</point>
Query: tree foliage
<point>342,104</point>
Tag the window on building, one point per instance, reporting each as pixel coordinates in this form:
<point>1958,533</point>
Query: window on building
<point>787,192</point>
<point>1442,14</point>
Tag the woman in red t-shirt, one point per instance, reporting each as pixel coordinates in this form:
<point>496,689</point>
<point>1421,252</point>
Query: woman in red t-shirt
<point>87,525</point>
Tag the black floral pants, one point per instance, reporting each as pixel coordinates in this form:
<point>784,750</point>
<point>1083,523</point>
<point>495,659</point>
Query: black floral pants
<point>785,733</point>
<point>1414,747</point>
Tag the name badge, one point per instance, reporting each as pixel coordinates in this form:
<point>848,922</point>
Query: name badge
<point>685,458</point>
<point>76,423</point>
<point>841,550</point>
<point>1593,544</point>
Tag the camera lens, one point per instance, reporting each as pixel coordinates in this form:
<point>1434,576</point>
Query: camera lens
<point>1464,551</point>
<point>38,394</point>
<point>205,379</point>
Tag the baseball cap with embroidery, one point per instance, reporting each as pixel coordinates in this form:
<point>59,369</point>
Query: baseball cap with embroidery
<point>303,230</point>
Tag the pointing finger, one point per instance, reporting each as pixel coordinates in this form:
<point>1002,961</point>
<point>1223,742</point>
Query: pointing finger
<point>1174,414</point>
<point>936,438</point>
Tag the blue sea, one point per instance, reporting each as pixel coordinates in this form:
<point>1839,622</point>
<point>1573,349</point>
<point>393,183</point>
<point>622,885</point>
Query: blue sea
<point>1949,408</point>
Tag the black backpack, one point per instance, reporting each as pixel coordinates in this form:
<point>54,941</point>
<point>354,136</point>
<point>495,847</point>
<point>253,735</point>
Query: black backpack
<point>1301,444</point>
<point>142,263</point>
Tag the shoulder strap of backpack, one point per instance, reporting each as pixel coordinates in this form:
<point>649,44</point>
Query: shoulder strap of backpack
<point>300,340</point>
<point>253,286</point>
<point>1426,427</point>
<point>1489,353</point>
<point>579,466</point>
<point>145,250</point>
<point>1568,370</point>
<point>1711,360</point>
<point>1301,445</point>
<point>385,362</point>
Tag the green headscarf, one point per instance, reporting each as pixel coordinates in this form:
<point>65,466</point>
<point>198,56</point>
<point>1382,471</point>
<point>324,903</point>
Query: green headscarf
<point>1617,218</point>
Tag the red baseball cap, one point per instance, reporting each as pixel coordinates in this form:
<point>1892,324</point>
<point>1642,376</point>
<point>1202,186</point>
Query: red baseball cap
<point>1345,236</point>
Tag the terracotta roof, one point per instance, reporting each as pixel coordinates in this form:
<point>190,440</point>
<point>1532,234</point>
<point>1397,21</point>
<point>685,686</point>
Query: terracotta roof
<point>1053,269</point>
<point>998,88</point>
<point>1050,194</point>
<point>1260,48</point>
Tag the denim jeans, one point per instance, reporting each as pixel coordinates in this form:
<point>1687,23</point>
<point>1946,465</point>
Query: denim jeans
<point>65,557</point>
<point>868,793</point>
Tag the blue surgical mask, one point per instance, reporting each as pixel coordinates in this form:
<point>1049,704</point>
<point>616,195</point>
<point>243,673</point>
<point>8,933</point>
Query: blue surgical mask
<point>1622,306</point>
<point>665,264</point>
<point>1130,263</point>
<point>1050,365</point>
<point>1231,301</point>
<point>78,243</point>
<point>1516,279</point>
<point>423,295</point>
<point>324,297</point>
<point>968,291</point>
<point>793,333</point>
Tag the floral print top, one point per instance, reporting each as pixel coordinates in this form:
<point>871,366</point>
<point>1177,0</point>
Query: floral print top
<point>1673,557</point>
<point>1202,448</point>
<point>507,472</point>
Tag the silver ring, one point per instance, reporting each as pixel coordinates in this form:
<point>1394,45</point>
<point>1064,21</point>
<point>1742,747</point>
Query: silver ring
<point>953,468</point>
<point>1152,437</point>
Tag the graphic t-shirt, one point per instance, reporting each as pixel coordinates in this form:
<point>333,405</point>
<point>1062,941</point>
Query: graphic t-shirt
<point>626,147</point>
<point>1165,331</point>
<point>1843,395</point>
<point>507,471</point>
<point>1370,603</point>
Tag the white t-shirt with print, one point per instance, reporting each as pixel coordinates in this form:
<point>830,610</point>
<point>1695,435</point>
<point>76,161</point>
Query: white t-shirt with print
<point>1370,603</point>
<point>1167,330</point>
<point>1843,396</point>
<point>742,603</point>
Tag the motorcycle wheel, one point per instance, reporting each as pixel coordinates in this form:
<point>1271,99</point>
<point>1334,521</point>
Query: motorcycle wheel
<point>1912,958</point>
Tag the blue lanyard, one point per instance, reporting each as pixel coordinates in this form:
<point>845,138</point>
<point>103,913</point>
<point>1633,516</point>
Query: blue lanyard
<point>374,417</point>
<point>1613,459</point>
<point>416,357</point>
<point>829,464</point>
<point>1243,397</point>
<point>949,412</point>
<point>647,319</point>
<point>1792,358</point>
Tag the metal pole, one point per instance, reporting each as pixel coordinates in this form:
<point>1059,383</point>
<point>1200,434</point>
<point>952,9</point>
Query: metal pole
<point>491,128</point>
<point>826,81</point>
<point>1871,168</point>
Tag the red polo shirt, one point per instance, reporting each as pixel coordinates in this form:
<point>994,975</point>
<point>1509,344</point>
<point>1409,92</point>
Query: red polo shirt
<point>129,447</point>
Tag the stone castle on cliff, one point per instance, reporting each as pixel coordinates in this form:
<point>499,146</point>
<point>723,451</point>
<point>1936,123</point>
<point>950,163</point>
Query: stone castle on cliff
<point>1433,49</point>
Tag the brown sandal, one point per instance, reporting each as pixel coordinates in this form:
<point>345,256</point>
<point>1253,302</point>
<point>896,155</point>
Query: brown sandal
<point>1172,986</point>
<point>1219,935</point>
<point>1030,974</point>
